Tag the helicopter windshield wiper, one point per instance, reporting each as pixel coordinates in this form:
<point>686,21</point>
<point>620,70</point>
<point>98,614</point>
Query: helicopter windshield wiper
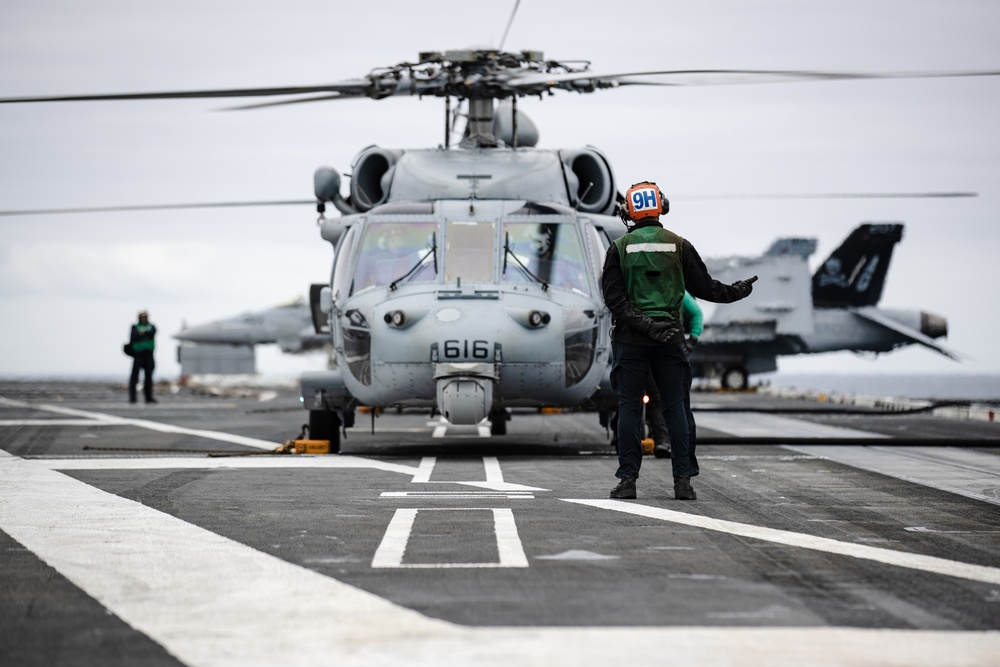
<point>432,251</point>
<point>507,252</point>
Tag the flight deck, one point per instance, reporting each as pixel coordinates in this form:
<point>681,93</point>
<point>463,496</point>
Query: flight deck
<point>171,534</point>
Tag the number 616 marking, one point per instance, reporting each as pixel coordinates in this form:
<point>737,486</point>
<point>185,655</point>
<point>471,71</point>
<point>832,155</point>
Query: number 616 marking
<point>458,349</point>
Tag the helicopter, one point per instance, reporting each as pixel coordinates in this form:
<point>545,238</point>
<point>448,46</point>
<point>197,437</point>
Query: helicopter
<point>465,277</point>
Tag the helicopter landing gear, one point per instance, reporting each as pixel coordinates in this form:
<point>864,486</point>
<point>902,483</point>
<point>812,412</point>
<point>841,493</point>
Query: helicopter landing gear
<point>734,377</point>
<point>325,425</point>
<point>498,422</point>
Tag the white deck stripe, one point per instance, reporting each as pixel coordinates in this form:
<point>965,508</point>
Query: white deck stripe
<point>392,549</point>
<point>424,470</point>
<point>101,418</point>
<point>964,472</point>
<point>213,602</point>
<point>932,564</point>
<point>750,424</point>
<point>58,422</point>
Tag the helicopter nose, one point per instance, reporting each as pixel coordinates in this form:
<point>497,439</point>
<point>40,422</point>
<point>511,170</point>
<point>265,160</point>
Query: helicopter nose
<point>933,325</point>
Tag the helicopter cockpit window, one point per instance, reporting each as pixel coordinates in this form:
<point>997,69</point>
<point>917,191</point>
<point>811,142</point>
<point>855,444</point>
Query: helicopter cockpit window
<point>551,252</point>
<point>396,251</point>
<point>469,253</point>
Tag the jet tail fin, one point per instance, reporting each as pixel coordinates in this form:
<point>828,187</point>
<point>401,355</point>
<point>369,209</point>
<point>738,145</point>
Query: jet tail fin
<point>854,274</point>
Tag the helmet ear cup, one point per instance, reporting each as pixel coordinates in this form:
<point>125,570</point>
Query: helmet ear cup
<point>664,203</point>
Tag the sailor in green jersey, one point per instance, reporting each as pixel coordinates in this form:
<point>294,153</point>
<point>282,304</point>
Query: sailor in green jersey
<point>646,272</point>
<point>142,340</point>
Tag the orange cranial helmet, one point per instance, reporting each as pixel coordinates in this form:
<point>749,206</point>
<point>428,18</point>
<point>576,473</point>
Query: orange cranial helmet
<point>644,200</point>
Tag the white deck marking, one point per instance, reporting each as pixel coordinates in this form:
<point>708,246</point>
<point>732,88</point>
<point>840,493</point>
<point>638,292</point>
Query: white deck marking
<point>100,418</point>
<point>965,472</point>
<point>513,495</point>
<point>932,564</point>
<point>494,476</point>
<point>55,422</point>
<point>392,549</point>
<point>424,470</point>
<point>750,424</point>
<point>213,602</point>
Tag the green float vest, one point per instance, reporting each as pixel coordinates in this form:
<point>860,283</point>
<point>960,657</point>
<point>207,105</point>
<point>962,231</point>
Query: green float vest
<point>144,345</point>
<point>654,275</point>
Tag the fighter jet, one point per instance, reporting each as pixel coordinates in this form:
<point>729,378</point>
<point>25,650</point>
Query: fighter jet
<point>791,313</point>
<point>226,345</point>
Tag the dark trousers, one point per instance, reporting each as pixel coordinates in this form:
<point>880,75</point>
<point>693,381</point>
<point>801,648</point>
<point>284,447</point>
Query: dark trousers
<point>670,369</point>
<point>654,415</point>
<point>142,361</point>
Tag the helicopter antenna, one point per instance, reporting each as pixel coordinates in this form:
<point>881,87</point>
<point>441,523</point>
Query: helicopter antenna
<point>447,121</point>
<point>503,39</point>
<point>583,195</point>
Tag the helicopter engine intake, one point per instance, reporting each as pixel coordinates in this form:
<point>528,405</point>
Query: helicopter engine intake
<point>372,177</point>
<point>589,181</point>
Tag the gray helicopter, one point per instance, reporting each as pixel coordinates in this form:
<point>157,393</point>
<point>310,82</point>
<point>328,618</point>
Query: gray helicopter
<point>465,277</point>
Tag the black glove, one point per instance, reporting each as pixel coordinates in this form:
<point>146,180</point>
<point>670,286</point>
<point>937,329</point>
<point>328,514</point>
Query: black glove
<point>661,332</point>
<point>690,343</point>
<point>744,287</point>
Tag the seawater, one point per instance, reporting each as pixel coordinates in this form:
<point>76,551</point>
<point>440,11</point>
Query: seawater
<point>980,388</point>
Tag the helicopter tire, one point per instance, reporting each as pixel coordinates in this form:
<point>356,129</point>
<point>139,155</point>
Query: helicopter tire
<point>325,425</point>
<point>498,422</point>
<point>734,377</point>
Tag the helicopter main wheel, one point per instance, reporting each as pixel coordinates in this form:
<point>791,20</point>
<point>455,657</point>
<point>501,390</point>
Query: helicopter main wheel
<point>734,377</point>
<point>498,422</point>
<point>325,425</point>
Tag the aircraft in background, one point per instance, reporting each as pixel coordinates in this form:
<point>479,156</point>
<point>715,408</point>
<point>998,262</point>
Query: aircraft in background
<point>225,346</point>
<point>791,313</point>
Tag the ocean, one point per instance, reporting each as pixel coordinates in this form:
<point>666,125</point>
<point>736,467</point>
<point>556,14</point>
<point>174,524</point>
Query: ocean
<point>972,387</point>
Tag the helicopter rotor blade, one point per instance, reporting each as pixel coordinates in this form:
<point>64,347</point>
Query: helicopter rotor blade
<point>155,207</point>
<point>354,87</point>
<point>312,202</point>
<point>714,77</point>
<point>498,75</point>
<point>300,100</point>
<point>833,195</point>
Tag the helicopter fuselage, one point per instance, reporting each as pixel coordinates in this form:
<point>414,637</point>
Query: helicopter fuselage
<point>468,305</point>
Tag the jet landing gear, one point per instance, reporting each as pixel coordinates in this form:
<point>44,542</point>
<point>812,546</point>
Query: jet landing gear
<point>734,377</point>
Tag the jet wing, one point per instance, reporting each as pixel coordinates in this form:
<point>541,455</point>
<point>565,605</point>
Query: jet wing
<point>872,315</point>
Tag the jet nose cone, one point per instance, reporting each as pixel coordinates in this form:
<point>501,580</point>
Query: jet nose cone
<point>933,325</point>
<point>206,333</point>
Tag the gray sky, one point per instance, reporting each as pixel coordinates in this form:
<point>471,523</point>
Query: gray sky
<point>71,286</point>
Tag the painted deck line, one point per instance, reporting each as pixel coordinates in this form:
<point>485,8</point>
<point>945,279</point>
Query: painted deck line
<point>57,422</point>
<point>213,602</point>
<point>224,462</point>
<point>494,476</point>
<point>964,472</point>
<point>102,418</point>
<point>392,549</point>
<point>260,462</point>
<point>752,424</point>
<point>931,564</point>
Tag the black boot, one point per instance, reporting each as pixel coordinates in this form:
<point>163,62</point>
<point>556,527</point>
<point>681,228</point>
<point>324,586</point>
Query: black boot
<point>683,489</point>
<point>625,488</point>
